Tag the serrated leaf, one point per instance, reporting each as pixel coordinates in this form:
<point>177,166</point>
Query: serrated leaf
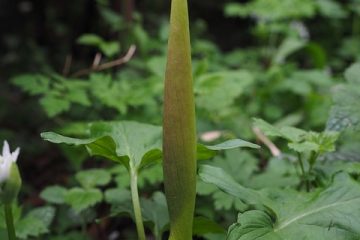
<point>54,194</point>
<point>93,177</point>
<point>54,105</point>
<point>325,140</point>
<point>280,9</point>
<point>267,128</point>
<point>77,95</point>
<point>155,210</point>
<point>45,214</point>
<point>223,201</point>
<point>304,147</point>
<point>352,74</point>
<point>292,134</point>
<point>30,227</point>
<point>345,111</point>
<point>217,91</point>
<point>80,199</point>
<point>32,83</point>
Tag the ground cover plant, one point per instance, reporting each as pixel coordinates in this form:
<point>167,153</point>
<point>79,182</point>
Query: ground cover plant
<point>149,138</point>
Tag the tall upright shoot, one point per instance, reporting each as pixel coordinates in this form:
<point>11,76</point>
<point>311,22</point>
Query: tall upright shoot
<point>179,145</point>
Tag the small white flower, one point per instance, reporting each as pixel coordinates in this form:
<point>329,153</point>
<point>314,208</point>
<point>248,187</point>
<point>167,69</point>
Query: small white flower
<point>6,159</point>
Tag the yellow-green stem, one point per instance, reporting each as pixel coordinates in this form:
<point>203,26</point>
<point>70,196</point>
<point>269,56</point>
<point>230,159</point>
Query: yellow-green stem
<point>179,146</point>
<point>136,204</point>
<point>9,221</point>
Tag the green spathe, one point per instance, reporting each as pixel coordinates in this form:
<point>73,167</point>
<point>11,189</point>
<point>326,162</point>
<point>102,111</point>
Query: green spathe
<point>179,139</point>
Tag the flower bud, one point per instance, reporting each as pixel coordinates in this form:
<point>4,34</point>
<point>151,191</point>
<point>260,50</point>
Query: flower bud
<point>10,180</point>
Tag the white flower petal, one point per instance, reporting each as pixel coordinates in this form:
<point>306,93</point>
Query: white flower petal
<point>15,154</point>
<point>6,150</point>
<point>5,170</point>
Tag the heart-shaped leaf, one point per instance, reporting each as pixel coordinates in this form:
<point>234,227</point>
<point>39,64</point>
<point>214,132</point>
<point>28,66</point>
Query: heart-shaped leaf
<point>125,142</point>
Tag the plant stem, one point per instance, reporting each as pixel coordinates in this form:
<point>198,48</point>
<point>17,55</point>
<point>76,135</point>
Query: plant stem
<point>314,156</point>
<point>9,221</point>
<point>304,175</point>
<point>136,204</point>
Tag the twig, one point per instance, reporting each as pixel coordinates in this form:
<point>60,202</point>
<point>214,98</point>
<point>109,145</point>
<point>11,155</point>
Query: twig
<point>268,143</point>
<point>67,65</point>
<point>130,53</point>
<point>97,60</point>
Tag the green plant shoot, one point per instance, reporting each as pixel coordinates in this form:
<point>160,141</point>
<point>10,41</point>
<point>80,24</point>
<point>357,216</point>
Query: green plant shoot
<point>179,146</point>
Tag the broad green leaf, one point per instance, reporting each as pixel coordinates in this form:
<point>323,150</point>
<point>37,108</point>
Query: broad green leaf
<point>206,151</point>
<point>230,144</point>
<point>225,182</point>
<point>98,146</point>
<point>80,199</point>
<point>203,153</point>
<point>279,173</point>
<point>204,226</point>
<point>125,142</point>
<point>331,213</point>
<point>54,194</point>
<point>93,177</point>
